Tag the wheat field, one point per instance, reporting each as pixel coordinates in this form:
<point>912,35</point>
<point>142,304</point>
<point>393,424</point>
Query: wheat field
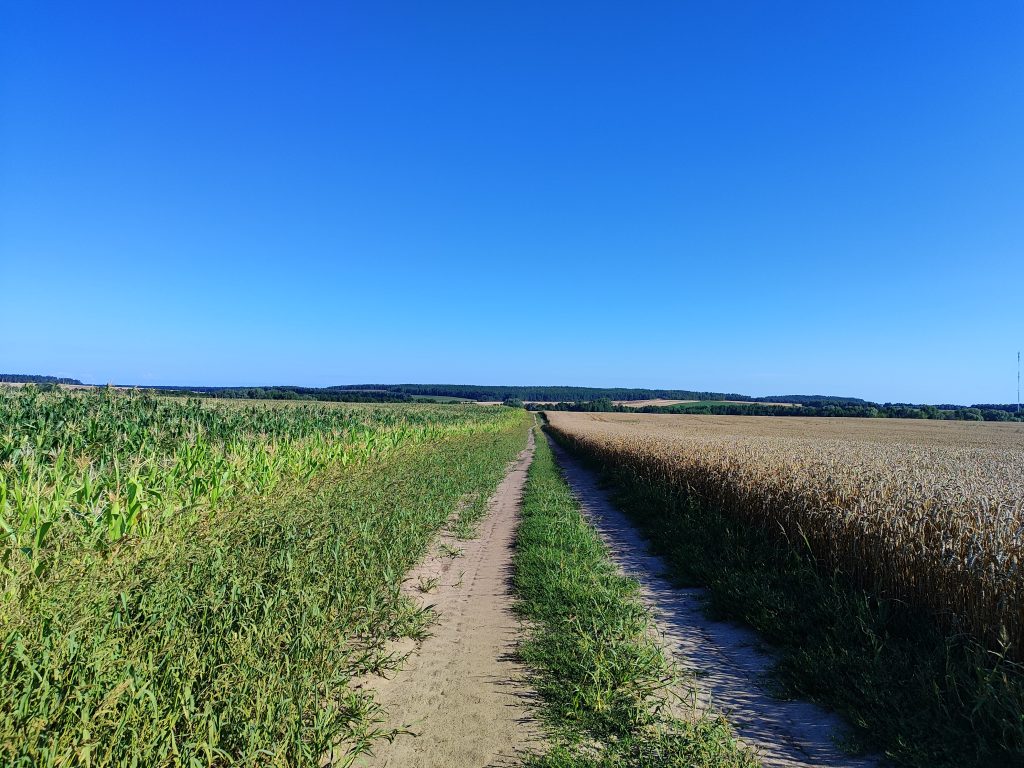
<point>931,513</point>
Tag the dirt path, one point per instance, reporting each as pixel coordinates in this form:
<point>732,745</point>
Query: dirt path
<point>461,693</point>
<point>725,658</point>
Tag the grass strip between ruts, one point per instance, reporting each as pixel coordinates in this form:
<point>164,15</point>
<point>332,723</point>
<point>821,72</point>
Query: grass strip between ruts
<point>604,684</point>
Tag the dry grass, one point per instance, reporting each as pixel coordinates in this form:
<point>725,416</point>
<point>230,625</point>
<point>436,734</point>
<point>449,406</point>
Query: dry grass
<point>931,513</point>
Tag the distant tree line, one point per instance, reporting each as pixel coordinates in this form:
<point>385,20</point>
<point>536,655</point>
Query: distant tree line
<point>287,393</point>
<point>556,394</point>
<point>30,378</point>
<point>1008,407</point>
<point>601,405</point>
<point>813,408</point>
<point>567,398</point>
<point>812,400</point>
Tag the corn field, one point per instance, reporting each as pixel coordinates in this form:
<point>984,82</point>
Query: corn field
<point>192,584</point>
<point>931,513</point>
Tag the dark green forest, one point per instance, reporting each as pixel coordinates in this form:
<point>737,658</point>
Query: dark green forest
<point>547,393</point>
<point>568,398</point>
<point>288,393</point>
<point>30,378</point>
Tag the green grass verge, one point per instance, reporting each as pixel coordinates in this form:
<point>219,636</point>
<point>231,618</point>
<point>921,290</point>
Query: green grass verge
<point>925,698</point>
<point>603,682</point>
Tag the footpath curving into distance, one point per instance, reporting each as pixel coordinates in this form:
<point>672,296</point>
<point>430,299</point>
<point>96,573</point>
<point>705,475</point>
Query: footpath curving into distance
<point>461,694</point>
<point>724,657</point>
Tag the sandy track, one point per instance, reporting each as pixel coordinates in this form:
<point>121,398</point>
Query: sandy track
<point>725,658</point>
<point>461,692</point>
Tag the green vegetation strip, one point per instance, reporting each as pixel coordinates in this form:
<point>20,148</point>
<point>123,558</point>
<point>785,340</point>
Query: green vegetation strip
<point>926,698</point>
<point>605,686</point>
<point>226,631</point>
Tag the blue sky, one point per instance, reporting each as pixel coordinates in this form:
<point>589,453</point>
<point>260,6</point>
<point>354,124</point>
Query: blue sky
<point>767,198</point>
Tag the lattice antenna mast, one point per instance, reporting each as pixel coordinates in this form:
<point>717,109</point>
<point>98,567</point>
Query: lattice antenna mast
<point>1018,382</point>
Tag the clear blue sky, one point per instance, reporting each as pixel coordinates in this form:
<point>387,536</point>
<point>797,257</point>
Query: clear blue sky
<point>767,198</point>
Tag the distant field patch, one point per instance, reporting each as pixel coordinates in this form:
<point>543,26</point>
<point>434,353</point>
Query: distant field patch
<point>661,402</point>
<point>654,401</point>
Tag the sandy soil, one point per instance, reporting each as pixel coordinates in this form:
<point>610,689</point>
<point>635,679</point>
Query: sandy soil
<point>461,692</point>
<point>727,660</point>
